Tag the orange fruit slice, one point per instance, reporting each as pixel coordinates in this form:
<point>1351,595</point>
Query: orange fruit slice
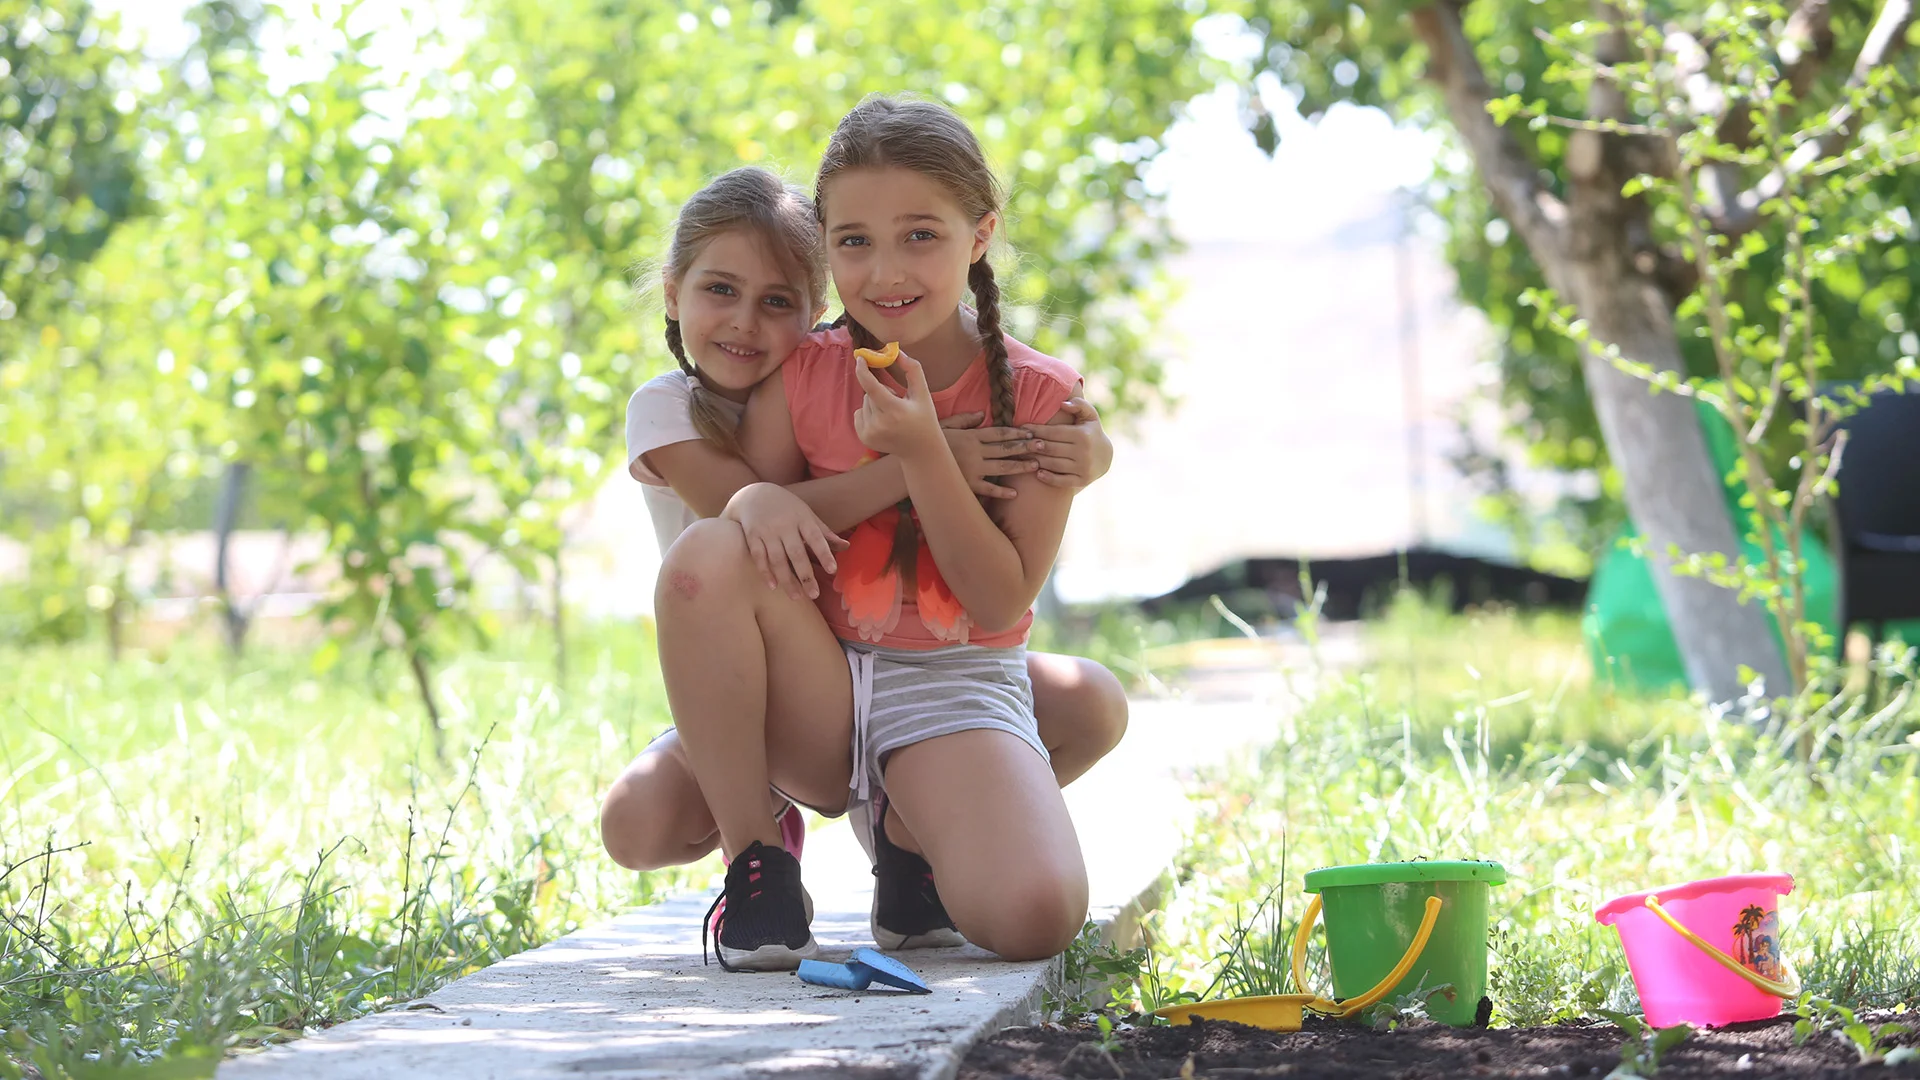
<point>879,358</point>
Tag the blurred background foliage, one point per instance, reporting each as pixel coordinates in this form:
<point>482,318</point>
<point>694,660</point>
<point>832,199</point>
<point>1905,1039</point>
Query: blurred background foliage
<point>300,278</point>
<point>1323,52</point>
<point>379,288</point>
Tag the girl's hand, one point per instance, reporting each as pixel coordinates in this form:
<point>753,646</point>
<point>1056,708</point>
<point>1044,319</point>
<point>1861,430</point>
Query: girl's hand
<point>889,422</point>
<point>781,531</point>
<point>1072,455</point>
<point>984,452</point>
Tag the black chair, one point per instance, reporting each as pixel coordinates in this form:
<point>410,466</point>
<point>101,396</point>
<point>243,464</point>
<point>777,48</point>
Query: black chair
<point>1876,519</point>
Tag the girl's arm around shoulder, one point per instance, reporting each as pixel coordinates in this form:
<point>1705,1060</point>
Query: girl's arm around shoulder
<point>773,451</point>
<point>766,435</point>
<point>703,475</point>
<point>664,448</point>
<point>1076,453</point>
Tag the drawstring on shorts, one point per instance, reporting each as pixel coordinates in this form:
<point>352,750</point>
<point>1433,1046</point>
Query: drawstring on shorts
<point>861,665</point>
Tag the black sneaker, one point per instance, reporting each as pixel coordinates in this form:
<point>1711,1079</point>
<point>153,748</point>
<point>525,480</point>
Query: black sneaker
<point>762,923</point>
<point>907,912</point>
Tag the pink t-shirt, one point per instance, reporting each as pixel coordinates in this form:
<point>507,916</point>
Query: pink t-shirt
<point>823,395</point>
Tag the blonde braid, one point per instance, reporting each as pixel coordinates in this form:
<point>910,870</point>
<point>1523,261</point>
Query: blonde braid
<point>986,301</point>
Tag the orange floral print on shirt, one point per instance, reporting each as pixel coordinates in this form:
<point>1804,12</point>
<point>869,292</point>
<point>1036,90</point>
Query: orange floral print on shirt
<point>871,590</point>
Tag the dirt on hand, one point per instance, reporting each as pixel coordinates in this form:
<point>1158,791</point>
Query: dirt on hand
<point>1754,1051</point>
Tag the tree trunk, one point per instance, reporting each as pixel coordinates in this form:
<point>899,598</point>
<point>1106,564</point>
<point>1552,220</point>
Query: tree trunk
<point>1672,489</point>
<point>1610,270</point>
<point>424,681</point>
<point>559,620</point>
<point>1596,251</point>
<point>225,513</point>
<point>114,627</point>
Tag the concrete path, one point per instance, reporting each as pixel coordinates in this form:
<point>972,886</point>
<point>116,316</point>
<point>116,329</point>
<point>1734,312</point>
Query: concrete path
<point>631,998</point>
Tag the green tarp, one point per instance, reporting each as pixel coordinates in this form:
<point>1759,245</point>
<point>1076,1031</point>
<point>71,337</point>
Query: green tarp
<point>1626,625</point>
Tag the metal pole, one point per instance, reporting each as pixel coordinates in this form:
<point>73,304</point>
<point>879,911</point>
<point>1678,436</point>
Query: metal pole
<point>1410,374</point>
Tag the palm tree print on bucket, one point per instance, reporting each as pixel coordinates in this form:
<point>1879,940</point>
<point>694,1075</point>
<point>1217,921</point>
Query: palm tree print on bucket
<point>1756,941</point>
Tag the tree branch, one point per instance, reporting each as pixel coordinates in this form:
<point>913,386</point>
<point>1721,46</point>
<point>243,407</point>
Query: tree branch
<point>1804,48</point>
<point>1676,274</point>
<point>1511,176</point>
<point>1742,213</point>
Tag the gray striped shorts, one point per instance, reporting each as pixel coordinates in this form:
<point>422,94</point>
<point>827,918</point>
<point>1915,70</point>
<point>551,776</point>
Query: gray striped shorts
<point>905,696</point>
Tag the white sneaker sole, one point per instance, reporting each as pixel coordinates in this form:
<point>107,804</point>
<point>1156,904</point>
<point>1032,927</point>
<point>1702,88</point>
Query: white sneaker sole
<point>770,957</point>
<point>775,957</point>
<point>934,939</point>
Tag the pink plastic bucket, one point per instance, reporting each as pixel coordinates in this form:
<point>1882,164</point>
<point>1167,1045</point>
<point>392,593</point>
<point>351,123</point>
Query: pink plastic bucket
<point>1682,981</point>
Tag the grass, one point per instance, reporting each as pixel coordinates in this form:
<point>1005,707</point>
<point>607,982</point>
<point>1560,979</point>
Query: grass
<point>1138,648</point>
<point>1483,737</point>
<point>197,855</point>
<point>200,854</point>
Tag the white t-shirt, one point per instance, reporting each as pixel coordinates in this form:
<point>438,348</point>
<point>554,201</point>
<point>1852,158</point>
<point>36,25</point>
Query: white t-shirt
<point>661,414</point>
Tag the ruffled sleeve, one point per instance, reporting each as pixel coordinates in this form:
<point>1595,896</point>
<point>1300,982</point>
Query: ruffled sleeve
<point>815,378</point>
<point>1041,384</point>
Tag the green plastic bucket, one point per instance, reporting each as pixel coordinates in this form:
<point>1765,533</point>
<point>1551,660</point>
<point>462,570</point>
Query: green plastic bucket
<point>1426,920</point>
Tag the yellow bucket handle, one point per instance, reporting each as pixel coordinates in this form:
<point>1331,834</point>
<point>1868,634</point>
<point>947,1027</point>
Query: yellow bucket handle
<point>1344,1009</point>
<point>1788,990</point>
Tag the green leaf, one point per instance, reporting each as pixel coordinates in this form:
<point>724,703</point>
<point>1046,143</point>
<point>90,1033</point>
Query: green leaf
<point>1627,1022</point>
<point>1667,1038</point>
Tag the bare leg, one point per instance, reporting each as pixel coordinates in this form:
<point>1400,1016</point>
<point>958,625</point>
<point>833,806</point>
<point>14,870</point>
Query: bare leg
<point>988,814</point>
<point>655,816</point>
<point>724,639</point>
<point>1081,709</point>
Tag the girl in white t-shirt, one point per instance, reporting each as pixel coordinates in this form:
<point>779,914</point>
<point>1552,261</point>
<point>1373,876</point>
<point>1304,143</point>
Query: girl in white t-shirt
<point>744,281</point>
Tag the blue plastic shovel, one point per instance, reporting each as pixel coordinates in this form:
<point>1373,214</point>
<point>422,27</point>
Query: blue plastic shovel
<point>868,966</point>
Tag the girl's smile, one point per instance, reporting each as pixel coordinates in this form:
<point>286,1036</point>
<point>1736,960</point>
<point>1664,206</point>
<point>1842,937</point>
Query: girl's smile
<point>892,308</point>
<point>739,352</point>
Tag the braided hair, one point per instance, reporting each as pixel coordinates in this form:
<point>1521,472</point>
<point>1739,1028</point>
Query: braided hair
<point>784,219</point>
<point>887,132</point>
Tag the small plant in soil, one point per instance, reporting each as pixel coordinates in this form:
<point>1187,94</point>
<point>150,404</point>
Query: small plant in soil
<point>1109,1040</point>
<point>1094,975</point>
<point>1816,1015</point>
<point>1103,1047</point>
<point>1640,1055</point>
<point>1154,990</point>
<point>1257,959</point>
<point>1408,1008</point>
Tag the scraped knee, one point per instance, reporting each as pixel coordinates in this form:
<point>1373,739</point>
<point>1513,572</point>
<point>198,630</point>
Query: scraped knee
<point>709,558</point>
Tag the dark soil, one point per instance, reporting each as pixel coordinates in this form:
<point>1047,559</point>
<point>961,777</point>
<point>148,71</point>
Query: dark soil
<point>1752,1051</point>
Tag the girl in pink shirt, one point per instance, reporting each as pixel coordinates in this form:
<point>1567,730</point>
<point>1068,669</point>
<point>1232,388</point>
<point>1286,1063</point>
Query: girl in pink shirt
<point>744,276</point>
<point>930,601</point>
